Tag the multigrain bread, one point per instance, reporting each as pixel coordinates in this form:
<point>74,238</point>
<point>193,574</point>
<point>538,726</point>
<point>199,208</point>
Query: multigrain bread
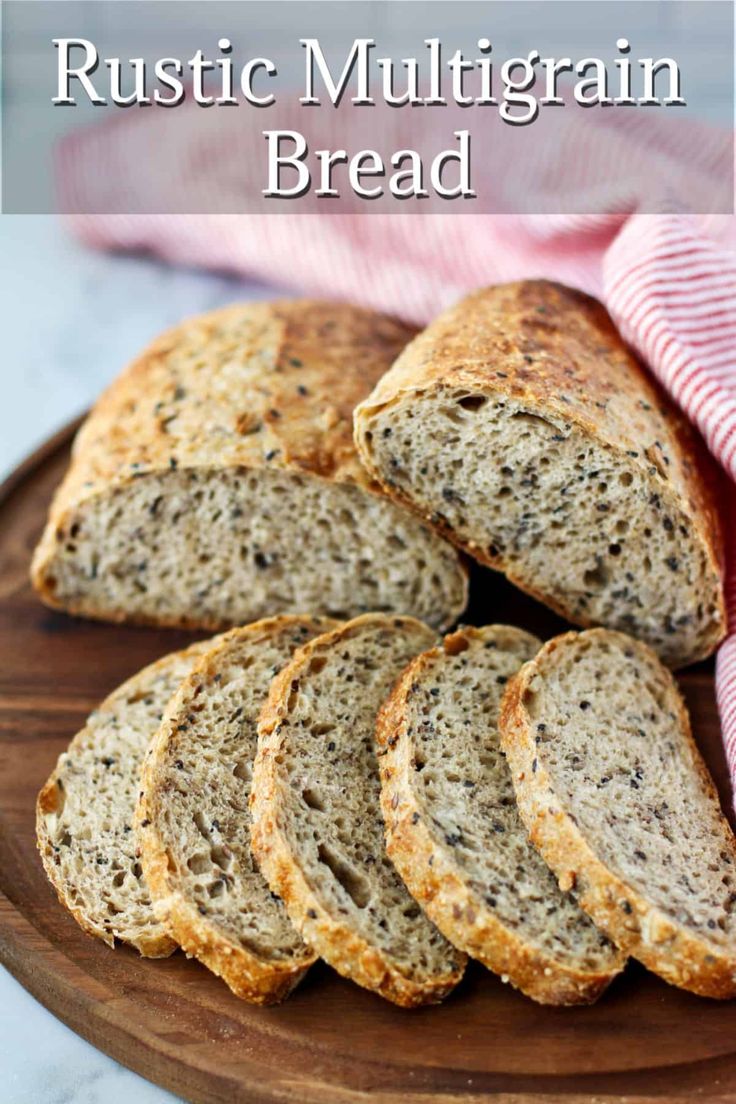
<point>216,482</point>
<point>616,797</point>
<point>84,813</point>
<point>524,429</point>
<point>193,824</point>
<point>317,828</point>
<point>454,833</point>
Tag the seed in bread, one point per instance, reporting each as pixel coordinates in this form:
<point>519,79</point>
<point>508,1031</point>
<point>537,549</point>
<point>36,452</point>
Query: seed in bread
<point>317,828</point>
<point>521,425</point>
<point>454,833</point>
<point>616,796</point>
<point>216,482</point>
<point>84,814</point>
<point>193,824</point>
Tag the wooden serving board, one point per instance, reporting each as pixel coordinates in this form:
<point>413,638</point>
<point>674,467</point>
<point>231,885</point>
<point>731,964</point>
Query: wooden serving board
<point>179,1026</point>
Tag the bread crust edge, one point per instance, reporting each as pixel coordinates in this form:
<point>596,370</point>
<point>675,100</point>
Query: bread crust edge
<point>439,887</point>
<point>345,950</point>
<point>249,976</point>
<point>636,925</point>
<point>415,376</point>
<point>46,802</point>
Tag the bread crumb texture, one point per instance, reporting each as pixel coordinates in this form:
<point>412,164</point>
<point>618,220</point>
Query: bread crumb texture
<point>318,832</point>
<point>193,819</point>
<point>454,830</point>
<point>85,811</point>
<point>522,427</point>
<point>216,482</point>
<point>616,795</point>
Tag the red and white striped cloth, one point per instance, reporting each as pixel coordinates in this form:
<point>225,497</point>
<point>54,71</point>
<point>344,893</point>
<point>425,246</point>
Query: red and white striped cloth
<point>669,280</point>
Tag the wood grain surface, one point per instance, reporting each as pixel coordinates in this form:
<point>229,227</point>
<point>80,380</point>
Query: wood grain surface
<point>179,1026</point>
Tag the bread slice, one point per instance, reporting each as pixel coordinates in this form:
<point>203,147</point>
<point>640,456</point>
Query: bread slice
<point>84,813</point>
<point>454,833</point>
<point>618,800</point>
<point>193,823</point>
<point>523,428</point>
<point>217,482</point>
<point>317,828</point>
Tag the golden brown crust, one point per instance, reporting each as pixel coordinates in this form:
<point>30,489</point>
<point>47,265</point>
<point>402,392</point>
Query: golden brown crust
<point>636,925</point>
<point>345,950</point>
<point>556,350</point>
<point>258,385</point>
<point>48,802</point>
<point>436,882</point>
<point>250,976</point>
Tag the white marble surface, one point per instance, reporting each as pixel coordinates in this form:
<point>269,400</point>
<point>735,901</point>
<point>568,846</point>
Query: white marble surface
<point>70,319</point>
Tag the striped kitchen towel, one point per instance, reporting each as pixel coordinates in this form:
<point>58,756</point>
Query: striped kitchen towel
<point>669,279</point>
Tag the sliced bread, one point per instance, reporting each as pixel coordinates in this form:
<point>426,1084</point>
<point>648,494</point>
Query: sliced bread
<point>616,797</point>
<point>84,813</point>
<point>523,428</point>
<point>193,824</point>
<point>217,482</point>
<point>317,828</point>
<point>454,832</point>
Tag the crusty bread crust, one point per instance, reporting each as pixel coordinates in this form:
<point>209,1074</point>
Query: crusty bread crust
<point>438,884</point>
<point>251,977</point>
<point>345,950</point>
<point>289,374</point>
<point>557,351</point>
<point>636,925</point>
<point>48,803</point>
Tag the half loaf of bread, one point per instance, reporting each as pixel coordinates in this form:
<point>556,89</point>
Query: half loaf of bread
<point>193,823</point>
<point>616,797</point>
<point>454,832</point>
<point>84,813</point>
<point>521,425</point>
<point>317,827</point>
<point>216,482</point>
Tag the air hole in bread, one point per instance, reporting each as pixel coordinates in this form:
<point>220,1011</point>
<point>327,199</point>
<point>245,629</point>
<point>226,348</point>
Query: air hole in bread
<point>354,884</point>
<point>312,799</point>
<point>472,402</point>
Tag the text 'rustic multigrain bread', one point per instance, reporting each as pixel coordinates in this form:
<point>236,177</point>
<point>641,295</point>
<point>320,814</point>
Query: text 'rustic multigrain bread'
<point>615,795</point>
<point>84,814</point>
<point>523,428</point>
<point>317,828</point>
<point>217,482</point>
<point>193,823</point>
<point>454,832</point>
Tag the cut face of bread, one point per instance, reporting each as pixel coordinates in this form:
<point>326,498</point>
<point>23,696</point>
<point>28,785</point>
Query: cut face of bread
<point>617,798</point>
<point>519,424</point>
<point>317,827</point>
<point>454,832</point>
<point>217,482</point>
<point>84,816</point>
<point>193,822</point>
<point>207,548</point>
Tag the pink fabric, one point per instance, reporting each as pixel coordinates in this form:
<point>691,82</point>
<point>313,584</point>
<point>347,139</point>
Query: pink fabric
<point>669,280</point>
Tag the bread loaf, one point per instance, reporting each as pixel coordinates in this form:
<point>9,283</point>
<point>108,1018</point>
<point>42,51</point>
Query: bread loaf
<point>84,814</point>
<point>193,824</point>
<point>618,800</point>
<point>216,482</point>
<point>524,429</point>
<point>454,833</point>
<point>317,828</point>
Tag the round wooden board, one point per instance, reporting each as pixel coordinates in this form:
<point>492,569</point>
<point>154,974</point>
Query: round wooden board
<point>179,1026</point>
